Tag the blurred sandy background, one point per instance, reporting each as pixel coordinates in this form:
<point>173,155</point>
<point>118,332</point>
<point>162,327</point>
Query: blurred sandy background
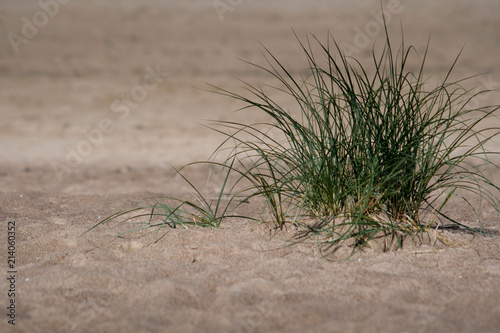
<point>82,69</point>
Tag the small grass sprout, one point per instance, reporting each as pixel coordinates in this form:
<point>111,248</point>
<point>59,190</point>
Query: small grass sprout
<point>172,212</point>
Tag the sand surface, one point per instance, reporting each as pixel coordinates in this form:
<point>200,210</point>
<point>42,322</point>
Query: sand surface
<point>63,85</point>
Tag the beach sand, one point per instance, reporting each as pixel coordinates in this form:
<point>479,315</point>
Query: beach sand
<point>76,146</point>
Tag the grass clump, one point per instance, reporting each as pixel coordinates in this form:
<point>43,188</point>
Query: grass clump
<point>366,151</point>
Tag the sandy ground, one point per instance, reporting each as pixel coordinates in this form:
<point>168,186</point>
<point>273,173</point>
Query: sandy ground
<point>70,78</point>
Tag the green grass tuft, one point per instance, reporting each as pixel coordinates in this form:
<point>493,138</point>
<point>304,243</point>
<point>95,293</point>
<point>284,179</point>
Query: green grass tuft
<point>368,151</point>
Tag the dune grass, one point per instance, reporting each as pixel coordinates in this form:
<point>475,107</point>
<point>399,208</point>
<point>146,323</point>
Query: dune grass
<point>368,150</point>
